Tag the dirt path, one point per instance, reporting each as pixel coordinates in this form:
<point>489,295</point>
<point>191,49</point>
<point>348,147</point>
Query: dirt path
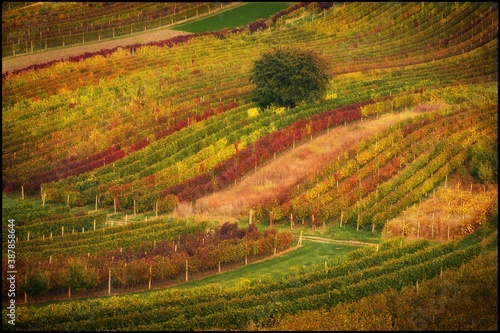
<point>335,241</point>
<point>23,61</point>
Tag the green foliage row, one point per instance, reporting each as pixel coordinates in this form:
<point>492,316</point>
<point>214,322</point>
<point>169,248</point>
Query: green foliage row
<point>123,237</point>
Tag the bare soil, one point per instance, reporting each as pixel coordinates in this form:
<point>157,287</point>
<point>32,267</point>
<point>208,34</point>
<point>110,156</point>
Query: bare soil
<point>23,61</point>
<point>153,35</point>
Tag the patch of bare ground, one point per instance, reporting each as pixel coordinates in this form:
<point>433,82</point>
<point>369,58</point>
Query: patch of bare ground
<point>289,169</point>
<point>26,60</point>
<point>153,35</point>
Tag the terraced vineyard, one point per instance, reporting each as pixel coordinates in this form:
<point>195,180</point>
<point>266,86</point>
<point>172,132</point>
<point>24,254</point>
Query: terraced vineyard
<point>152,131</point>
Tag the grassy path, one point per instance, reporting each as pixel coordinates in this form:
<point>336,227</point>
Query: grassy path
<point>289,169</point>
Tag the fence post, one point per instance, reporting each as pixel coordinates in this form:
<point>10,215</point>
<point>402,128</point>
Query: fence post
<point>150,276</point>
<point>109,281</point>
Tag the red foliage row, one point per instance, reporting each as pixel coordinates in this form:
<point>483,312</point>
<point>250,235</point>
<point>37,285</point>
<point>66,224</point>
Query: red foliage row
<point>70,168</point>
<point>288,11</point>
<point>197,117</point>
<point>138,145</point>
<point>109,155</point>
<point>166,259</point>
<point>254,26</point>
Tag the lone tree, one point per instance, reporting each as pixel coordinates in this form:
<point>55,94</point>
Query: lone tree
<point>285,77</point>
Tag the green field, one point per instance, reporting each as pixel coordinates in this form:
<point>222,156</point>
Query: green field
<point>310,255</point>
<point>234,18</point>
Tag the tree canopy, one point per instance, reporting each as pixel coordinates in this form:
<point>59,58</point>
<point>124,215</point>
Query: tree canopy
<point>285,77</point>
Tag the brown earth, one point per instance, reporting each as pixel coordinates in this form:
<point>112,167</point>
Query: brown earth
<point>154,35</point>
<point>23,61</point>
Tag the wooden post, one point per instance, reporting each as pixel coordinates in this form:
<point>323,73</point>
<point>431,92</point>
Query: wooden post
<point>69,292</point>
<point>341,217</point>
<point>291,221</point>
<point>275,243</point>
<point>94,224</point>
<point>187,271</point>
<point>218,268</point>
<point>150,277</point>
<point>96,203</point>
<point>250,217</point>
<point>28,236</point>
<point>357,224</point>
<point>448,232</point>
<point>156,208</point>
<point>62,231</point>
<point>22,192</point>
<point>270,219</point>
<point>109,281</point>
<point>299,243</point>
<point>134,206</point>
<point>67,200</point>
<point>246,253</point>
<point>114,204</point>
